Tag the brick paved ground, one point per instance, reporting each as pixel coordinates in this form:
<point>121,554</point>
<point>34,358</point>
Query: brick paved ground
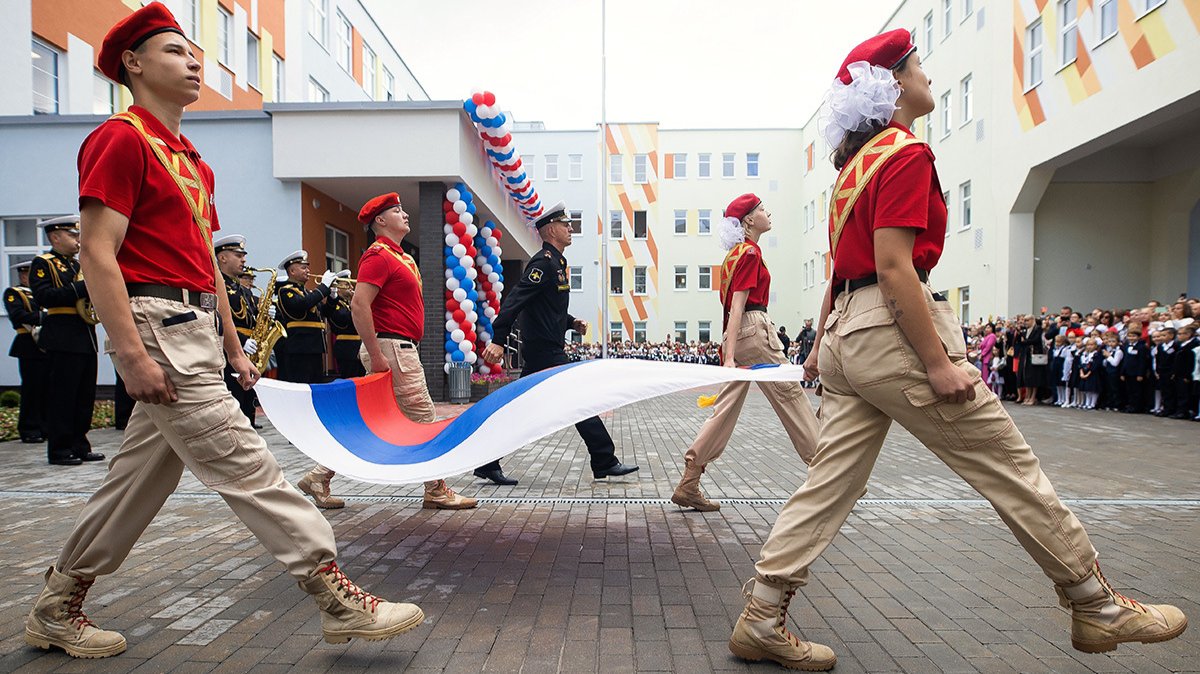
<point>564,574</point>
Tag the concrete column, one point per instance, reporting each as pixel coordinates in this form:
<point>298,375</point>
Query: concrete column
<point>433,275</point>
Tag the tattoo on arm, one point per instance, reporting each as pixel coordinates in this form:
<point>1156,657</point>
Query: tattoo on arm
<point>895,307</point>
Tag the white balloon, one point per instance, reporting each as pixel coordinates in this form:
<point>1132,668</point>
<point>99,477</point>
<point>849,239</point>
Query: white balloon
<point>472,230</point>
<point>466,219</point>
<point>472,317</point>
<point>451,239</point>
<point>492,242</point>
<point>487,271</point>
<point>466,304</point>
<point>484,369</point>
<point>452,284</point>
<point>489,312</point>
<point>485,231</point>
<point>458,335</point>
<point>460,294</point>
<point>449,273</point>
<point>465,346</point>
<point>460,207</point>
<point>484,111</point>
<point>451,325</point>
<point>485,337</point>
<point>498,252</point>
<point>447,228</point>
<point>466,261</point>
<point>480,261</point>
<point>493,277</point>
<point>446,367</point>
<point>459,250</point>
<point>472,274</point>
<point>452,195</point>
<point>471,357</point>
<point>498,286</point>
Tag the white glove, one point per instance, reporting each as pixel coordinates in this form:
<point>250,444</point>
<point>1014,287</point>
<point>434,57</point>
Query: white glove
<point>327,278</point>
<point>333,293</point>
<point>250,347</point>
<point>345,273</point>
<point>271,311</point>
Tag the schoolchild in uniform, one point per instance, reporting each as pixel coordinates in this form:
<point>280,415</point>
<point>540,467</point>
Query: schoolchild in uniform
<point>1134,370</point>
<point>1060,368</point>
<point>1163,369</point>
<point>1091,373</point>
<point>1185,366</point>
<point>1112,354</point>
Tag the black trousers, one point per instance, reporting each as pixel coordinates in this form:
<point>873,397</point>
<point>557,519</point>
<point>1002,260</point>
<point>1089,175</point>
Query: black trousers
<point>69,404</point>
<point>594,433</point>
<point>246,399</point>
<point>350,367</point>
<point>34,383</point>
<point>1134,394</point>
<point>122,405</point>
<point>302,368</point>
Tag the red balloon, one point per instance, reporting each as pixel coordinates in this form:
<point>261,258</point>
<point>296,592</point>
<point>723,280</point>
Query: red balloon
<point>451,304</point>
<point>497,233</point>
<point>489,98</point>
<point>447,206</point>
<point>466,327</point>
<point>504,140</point>
<point>465,241</point>
<point>451,217</point>
<point>491,295</point>
<point>459,315</point>
<point>459,229</point>
<point>471,337</point>
<point>478,99</point>
<point>471,252</point>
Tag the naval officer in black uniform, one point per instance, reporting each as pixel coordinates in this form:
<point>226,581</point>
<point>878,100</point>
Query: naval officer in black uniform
<point>26,317</point>
<point>302,353</point>
<point>70,343</point>
<point>346,342</point>
<point>539,303</point>
<point>231,259</point>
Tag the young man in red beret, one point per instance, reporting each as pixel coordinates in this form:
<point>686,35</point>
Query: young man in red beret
<point>147,221</point>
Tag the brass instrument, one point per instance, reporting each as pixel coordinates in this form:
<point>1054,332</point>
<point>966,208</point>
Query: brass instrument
<point>84,306</point>
<point>266,331</point>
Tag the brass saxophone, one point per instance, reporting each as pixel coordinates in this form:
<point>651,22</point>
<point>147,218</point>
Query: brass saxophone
<point>84,306</point>
<point>266,331</point>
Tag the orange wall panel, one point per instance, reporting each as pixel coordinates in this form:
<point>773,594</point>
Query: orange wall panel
<point>356,55</point>
<point>330,212</point>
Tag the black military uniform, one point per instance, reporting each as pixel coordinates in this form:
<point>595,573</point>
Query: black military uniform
<point>1135,363</point>
<point>301,354</point>
<point>70,343</point>
<point>26,315</point>
<point>346,342</point>
<point>244,311</point>
<point>539,303</point>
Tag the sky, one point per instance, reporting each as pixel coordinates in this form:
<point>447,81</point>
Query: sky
<point>686,64</point>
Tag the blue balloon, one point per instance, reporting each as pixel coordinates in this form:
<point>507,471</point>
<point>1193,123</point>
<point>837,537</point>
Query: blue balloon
<point>451,262</point>
<point>467,196</point>
<point>451,346</point>
<point>471,208</point>
<point>500,119</point>
<point>460,273</point>
<point>494,261</point>
<point>457,355</point>
<point>473,296</point>
<point>469,106</point>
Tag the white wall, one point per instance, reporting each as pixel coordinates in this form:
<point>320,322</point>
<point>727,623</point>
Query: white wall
<point>16,65</point>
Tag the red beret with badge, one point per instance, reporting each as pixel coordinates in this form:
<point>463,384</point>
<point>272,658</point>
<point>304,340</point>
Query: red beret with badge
<point>886,50</point>
<point>376,206</point>
<point>130,33</point>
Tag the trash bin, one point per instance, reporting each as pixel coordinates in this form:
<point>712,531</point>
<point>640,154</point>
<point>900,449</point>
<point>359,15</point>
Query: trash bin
<point>460,383</point>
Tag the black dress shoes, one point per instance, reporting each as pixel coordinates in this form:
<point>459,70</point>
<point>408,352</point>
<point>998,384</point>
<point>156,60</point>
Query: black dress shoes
<point>616,470</point>
<point>496,476</point>
<point>92,456</point>
<point>32,439</point>
<point>66,461</point>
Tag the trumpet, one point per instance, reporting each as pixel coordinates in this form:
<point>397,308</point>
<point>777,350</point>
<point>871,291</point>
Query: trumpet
<point>315,277</point>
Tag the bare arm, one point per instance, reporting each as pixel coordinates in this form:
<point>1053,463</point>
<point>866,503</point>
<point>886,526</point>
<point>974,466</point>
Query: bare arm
<point>737,308</point>
<point>364,323</point>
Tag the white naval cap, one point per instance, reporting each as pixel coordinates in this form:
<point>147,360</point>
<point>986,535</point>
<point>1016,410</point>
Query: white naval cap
<point>21,265</point>
<point>64,222</point>
<point>556,213</point>
<point>234,242</point>
<point>293,257</point>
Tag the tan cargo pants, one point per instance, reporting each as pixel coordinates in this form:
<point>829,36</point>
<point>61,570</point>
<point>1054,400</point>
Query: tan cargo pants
<point>872,375</point>
<point>757,342</point>
<point>206,431</point>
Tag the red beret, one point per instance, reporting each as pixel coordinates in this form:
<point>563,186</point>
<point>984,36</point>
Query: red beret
<point>130,33</point>
<point>376,206</point>
<point>885,50</point>
<point>741,206</point>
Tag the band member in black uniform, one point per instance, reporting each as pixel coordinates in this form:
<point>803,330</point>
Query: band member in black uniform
<point>70,343</point>
<point>231,259</point>
<point>346,341</point>
<point>26,316</point>
<point>301,360</point>
<point>539,302</point>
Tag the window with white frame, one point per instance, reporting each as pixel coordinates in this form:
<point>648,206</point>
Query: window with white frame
<point>964,205</point>
<point>575,167</point>
<point>680,221</point>
<point>947,113</point>
<point>681,331</point>
<point>964,304</point>
<point>804,272</point>
<point>929,128</point>
<point>949,206</point>
<point>804,221</point>
<point>224,29</point>
<point>639,332</point>
<point>104,99</point>
<point>576,279</point>
<point>1033,54</point>
<point>1107,16</point>
<point>927,24</point>
<point>252,63</point>
<point>966,99</point>
<point>705,221</point>
<point>614,224</point>
<point>343,42</point>
<point>616,332</point>
<point>680,165</point>
<point>318,21</point>
<point>528,164</point>
<point>614,169</point>
<point>316,92</point>
<point>727,160</point>
<point>551,167</point>
<point>704,331</point>
<point>947,18</point>
<point>681,277</point>
<point>968,7</point>
<point>639,168</point>
<point>912,34</point>
<point>1147,5</point>
<point>337,249</point>
<point>616,280</point>
<point>751,164</point>
<point>812,214</point>
<point>277,73</point>
<point>389,85</point>
<point>1068,32</point>
<point>639,225</point>
<point>576,222</point>
<point>190,19</point>
<point>369,65</point>
<point>704,277</point>
<point>45,79</point>
<point>704,165</point>
<point>23,241</point>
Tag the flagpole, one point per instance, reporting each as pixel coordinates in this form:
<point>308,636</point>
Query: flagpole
<point>603,329</point>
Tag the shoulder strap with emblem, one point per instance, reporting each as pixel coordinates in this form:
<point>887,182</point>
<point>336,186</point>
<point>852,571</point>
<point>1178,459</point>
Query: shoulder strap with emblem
<point>858,173</point>
<point>404,259</point>
<point>734,255</point>
<point>54,276</point>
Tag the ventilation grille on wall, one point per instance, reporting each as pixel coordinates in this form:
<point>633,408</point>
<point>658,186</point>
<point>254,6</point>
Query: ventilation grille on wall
<point>978,239</point>
<point>979,131</point>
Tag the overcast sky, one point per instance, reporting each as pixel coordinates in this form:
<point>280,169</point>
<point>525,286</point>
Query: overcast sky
<point>682,63</point>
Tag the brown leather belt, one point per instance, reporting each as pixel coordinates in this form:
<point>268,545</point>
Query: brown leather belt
<point>195,298</point>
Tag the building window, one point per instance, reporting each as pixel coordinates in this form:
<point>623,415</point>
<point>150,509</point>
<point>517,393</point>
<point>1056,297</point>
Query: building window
<point>576,222</point>
<point>704,278</point>
<point>968,8</point>
<point>727,159</point>
<point>616,280</point>
<point>966,96</point>
<point>576,279</point>
<point>343,43</point>
<point>575,167</point>
<point>1108,19</point>
<point>337,249</point>
<point>369,65</point>
<point>639,280</point>
<point>190,19</point>
<point>277,73</point>
<point>551,167</point>
<point>639,332</point>
<point>680,277</point>
<point>928,26</point>
<point>45,79</point>
<point>1033,54</point>
<point>615,332</point>
<point>1068,34</point>
<point>681,331</point>
<point>23,240</point>
<point>705,221</point>
<point>614,224</point>
<point>804,221</point>
<point>224,28</point>
<point>318,21</point>
<point>316,92</point>
<point>964,304</point>
<point>252,63</point>
<point>1148,5</point>
<point>639,224</point>
<point>751,164</point>
<point>389,85</point>
<point>680,221</point>
<point>529,163</point>
<point>614,169</point>
<point>804,273</point>
<point>947,18</point>
<point>103,95</point>
<point>946,200</point>
<point>703,168</point>
<point>964,198</point>
<point>704,330</point>
<point>947,114</point>
<point>639,168</point>
<point>680,168</point>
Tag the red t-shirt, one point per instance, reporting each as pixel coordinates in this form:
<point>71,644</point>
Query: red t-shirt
<point>904,192</point>
<point>163,244</point>
<point>398,307</point>
<point>749,273</point>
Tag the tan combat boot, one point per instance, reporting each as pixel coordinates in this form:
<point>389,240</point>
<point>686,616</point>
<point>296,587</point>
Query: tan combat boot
<point>761,632</point>
<point>1101,617</point>
<point>688,494</point>
<point>348,612</point>
<point>315,483</point>
<point>57,619</point>
<point>438,496</point>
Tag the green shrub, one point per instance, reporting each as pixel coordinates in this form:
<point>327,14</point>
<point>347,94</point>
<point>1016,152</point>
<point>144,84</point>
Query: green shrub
<point>10,399</point>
